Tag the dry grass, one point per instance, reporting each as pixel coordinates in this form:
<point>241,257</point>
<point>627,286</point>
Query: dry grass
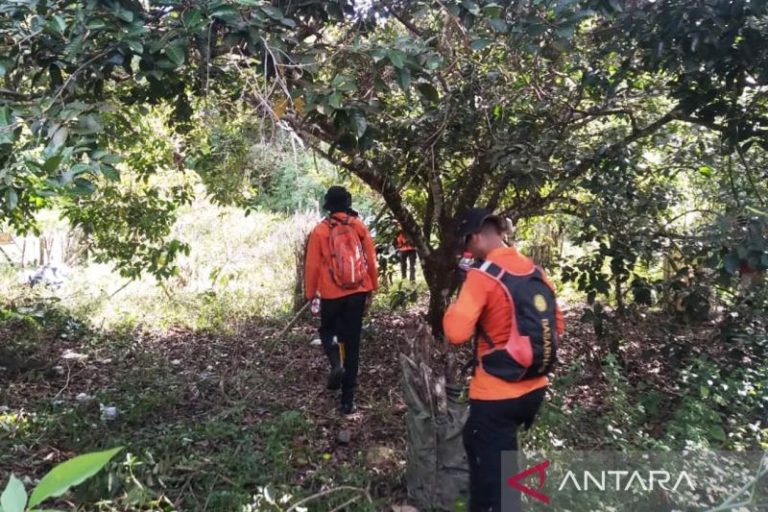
<point>239,267</point>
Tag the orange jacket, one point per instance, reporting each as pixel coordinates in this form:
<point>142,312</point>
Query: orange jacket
<point>317,274</point>
<point>401,243</point>
<point>482,301</point>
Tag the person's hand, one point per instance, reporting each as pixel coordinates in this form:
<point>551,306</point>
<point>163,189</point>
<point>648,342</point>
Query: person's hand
<point>315,306</point>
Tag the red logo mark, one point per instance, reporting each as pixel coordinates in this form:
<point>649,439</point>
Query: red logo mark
<point>514,481</point>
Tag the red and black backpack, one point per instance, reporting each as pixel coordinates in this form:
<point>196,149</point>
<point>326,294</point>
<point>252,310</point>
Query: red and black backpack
<point>531,349</point>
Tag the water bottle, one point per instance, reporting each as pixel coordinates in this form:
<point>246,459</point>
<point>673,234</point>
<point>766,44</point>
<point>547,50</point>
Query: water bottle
<point>465,263</point>
<point>314,308</point>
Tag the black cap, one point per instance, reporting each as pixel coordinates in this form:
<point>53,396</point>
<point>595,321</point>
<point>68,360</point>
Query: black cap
<point>471,221</point>
<point>337,199</point>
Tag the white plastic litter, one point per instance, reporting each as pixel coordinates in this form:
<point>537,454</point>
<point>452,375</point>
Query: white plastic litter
<point>108,413</point>
<point>84,398</point>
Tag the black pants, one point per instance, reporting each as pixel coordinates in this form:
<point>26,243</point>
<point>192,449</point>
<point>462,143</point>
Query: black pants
<point>491,429</point>
<point>343,318</point>
<point>407,257</point>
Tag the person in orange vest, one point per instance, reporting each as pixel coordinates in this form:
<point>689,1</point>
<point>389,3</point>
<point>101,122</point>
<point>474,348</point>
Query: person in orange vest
<point>341,268</point>
<point>509,305</point>
<point>407,254</point>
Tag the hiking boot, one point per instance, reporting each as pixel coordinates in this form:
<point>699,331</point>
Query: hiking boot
<point>347,401</point>
<point>334,378</point>
<point>337,370</point>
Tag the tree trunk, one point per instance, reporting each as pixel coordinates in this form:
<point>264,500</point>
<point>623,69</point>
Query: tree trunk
<point>300,252</point>
<point>439,272</point>
<point>619,295</point>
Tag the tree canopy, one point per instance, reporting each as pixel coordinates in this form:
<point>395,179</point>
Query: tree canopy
<point>602,112</point>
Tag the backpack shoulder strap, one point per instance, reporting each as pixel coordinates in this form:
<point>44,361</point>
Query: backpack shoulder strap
<point>495,272</point>
<point>488,267</point>
<point>335,221</point>
<point>506,280</point>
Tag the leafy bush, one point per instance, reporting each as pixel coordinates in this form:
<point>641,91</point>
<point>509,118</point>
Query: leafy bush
<point>55,483</point>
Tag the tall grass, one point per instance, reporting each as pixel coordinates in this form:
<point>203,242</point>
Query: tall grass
<point>239,267</point>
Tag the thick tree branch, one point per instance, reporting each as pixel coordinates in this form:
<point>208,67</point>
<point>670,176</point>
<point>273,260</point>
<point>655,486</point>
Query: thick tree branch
<point>402,19</point>
<point>374,178</point>
<point>477,172</point>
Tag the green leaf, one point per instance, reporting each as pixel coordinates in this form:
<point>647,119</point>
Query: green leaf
<point>52,163</point>
<point>14,497</point>
<point>498,25</point>
<point>166,64</point>
<point>397,58</point>
<point>272,12</point>
<point>80,168</point>
<point>60,137</point>
<point>378,54</point>
<point>58,24</point>
<point>5,115</point>
<point>429,92</point>
<point>110,173</point>
<point>95,24</point>
<point>479,43</point>
<point>11,199</point>
<point>176,52</point>
<point>334,100</point>
<point>4,65</point>
<point>343,83</point>
<point>492,10</point>
<point>471,6</point>
<point>83,187</point>
<point>225,13</point>
<point>404,79</point>
<point>433,61</point>
<point>192,19</point>
<point>136,47</point>
<point>361,124</point>
<point>125,15</point>
<point>70,473</point>
<point>717,432</point>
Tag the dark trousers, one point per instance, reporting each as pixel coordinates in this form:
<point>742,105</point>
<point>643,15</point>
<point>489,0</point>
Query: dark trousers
<point>491,429</point>
<point>407,257</point>
<point>343,318</point>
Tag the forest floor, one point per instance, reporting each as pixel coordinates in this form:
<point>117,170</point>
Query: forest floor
<point>206,419</point>
<point>209,417</point>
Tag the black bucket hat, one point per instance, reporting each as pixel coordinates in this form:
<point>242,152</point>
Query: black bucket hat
<point>337,199</point>
<point>472,220</point>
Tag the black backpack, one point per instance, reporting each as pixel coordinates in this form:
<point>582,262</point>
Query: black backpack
<point>531,349</point>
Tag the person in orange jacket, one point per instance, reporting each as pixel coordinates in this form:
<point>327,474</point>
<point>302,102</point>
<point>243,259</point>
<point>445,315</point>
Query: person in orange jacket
<point>504,394</point>
<point>340,267</point>
<point>407,254</point>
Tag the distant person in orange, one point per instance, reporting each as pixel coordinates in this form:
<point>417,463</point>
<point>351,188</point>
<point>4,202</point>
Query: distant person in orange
<point>407,254</point>
<point>341,268</point>
<point>510,305</point>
